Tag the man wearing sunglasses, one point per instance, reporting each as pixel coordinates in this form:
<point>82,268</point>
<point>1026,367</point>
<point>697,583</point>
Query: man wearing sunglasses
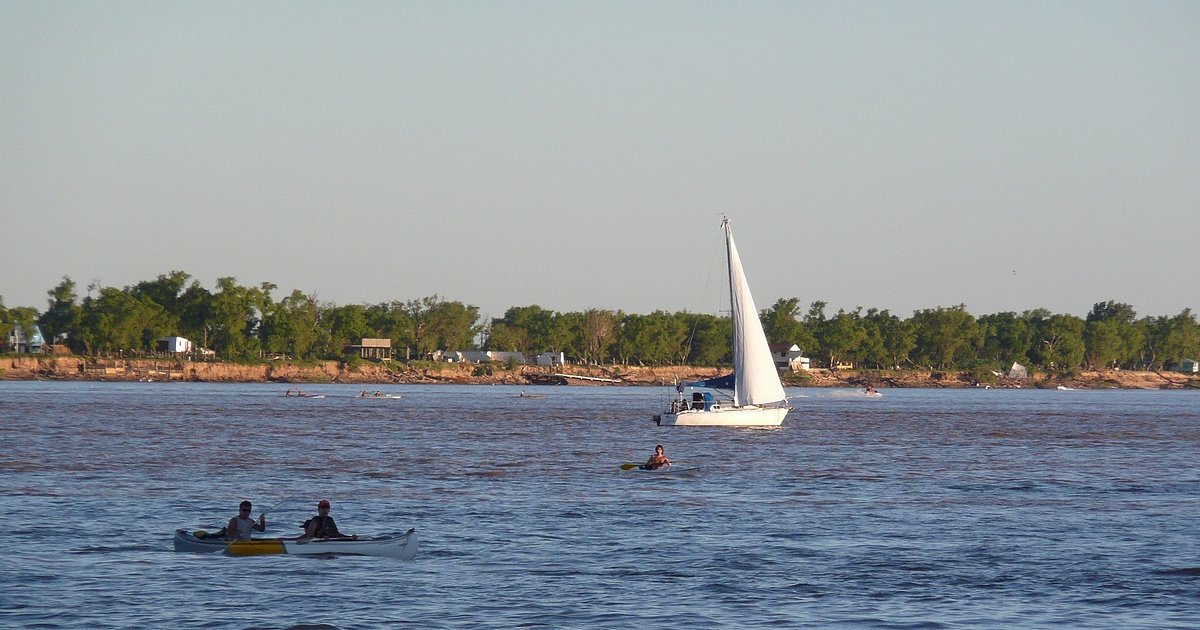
<point>241,526</point>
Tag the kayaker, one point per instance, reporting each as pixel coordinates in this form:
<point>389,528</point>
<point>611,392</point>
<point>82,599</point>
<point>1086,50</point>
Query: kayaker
<point>241,526</point>
<point>657,460</point>
<point>322,525</point>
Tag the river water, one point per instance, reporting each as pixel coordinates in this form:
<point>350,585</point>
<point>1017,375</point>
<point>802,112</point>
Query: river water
<point>920,509</point>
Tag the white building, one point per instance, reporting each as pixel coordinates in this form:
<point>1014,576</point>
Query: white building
<point>483,356</point>
<point>789,357</point>
<point>550,358</point>
<point>175,345</point>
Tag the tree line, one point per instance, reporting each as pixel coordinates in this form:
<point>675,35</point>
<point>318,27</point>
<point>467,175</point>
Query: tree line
<point>244,322</point>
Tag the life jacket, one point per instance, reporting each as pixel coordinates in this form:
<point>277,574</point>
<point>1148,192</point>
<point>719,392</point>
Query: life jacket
<point>325,526</point>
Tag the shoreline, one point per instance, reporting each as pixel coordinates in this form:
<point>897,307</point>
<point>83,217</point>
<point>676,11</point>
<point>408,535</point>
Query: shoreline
<point>74,368</point>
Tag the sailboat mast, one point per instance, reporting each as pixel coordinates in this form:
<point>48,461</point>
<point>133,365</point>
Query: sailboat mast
<point>732,305</point>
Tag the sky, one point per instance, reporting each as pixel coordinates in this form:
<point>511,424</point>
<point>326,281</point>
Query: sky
<point>893,155</point>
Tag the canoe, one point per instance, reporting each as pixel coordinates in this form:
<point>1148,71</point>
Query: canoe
<point>401,546</point>
<point>661,470</point>
<point>669,470</point>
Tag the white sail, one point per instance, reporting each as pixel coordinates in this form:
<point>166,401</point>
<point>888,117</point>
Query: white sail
<point>756,381</point>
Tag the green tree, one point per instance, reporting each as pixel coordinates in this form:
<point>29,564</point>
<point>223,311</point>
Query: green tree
<point>164,291</point>
<point>62,317</point>
<point>945,337</point>
<point>116,321</point>
<point>390,320</point>
<point>711,339</point>
<point>1103,343</point>
<point>23,316</point>
<point>781,323</point>
<point>1007,338</point>
<point>885,345</point>
<point>842,336</point>
<point>347,326</point>
<point>234,319</point>
<point>1059,339</point>
<point>504,337</point>
<point>438,324</point>
<point>567,334</point>
<point>291,326</point>
<point>655,339</point>
<point>195,314</point>
<point>525,329</point>
<point>1111,335</point>
<point>815,323</point>
<point>1169,340</point>
<point>600,329</point>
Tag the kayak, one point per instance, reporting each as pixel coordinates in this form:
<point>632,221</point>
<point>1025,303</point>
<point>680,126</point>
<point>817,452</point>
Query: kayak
<point>401,546</point>
<point>669,470</point>
<point>662,470</point>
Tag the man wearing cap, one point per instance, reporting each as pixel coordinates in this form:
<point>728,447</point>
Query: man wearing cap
<point>322,525</point>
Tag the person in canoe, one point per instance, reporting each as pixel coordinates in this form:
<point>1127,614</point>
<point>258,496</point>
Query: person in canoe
<point>657,460</point>
<point>241,527</point>
<point>322,525</point>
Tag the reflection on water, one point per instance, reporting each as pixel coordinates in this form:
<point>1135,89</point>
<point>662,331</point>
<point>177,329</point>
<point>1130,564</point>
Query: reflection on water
<point>922,508</point>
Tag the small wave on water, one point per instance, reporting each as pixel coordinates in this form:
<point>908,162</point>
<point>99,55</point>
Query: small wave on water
<point>923,509</point>
<point>1184,572</point>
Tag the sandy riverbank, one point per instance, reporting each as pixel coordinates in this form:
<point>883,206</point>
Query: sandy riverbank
<point>79,368</point>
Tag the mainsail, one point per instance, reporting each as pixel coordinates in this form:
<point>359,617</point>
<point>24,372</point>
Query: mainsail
<point>756,381</point>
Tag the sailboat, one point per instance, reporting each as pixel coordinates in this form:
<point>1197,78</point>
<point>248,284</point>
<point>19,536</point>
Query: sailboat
<point>752,396</point>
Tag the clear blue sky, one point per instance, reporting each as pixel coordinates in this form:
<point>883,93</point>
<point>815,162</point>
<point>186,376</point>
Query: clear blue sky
<point>898,155</point>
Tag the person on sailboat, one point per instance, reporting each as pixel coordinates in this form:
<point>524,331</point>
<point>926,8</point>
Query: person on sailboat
<point>657,460</point>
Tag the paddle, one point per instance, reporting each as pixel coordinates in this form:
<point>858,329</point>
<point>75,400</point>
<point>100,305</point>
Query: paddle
<point>276,506</point>
<point>273,508</point>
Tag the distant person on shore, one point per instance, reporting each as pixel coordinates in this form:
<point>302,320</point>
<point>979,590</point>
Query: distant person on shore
<point>241,527</point>
<point>657,460</point>
<point>322,525</point>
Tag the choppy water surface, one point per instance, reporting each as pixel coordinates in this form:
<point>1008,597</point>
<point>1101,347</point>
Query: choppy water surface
<point>924,508</point>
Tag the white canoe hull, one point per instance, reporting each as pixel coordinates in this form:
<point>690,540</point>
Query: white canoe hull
<point>400,548</point>
<point>668,470</point>
<point>727,417</point>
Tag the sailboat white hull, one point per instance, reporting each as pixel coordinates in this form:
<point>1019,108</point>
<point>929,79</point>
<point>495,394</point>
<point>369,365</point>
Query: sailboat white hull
<point>726,417</point>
